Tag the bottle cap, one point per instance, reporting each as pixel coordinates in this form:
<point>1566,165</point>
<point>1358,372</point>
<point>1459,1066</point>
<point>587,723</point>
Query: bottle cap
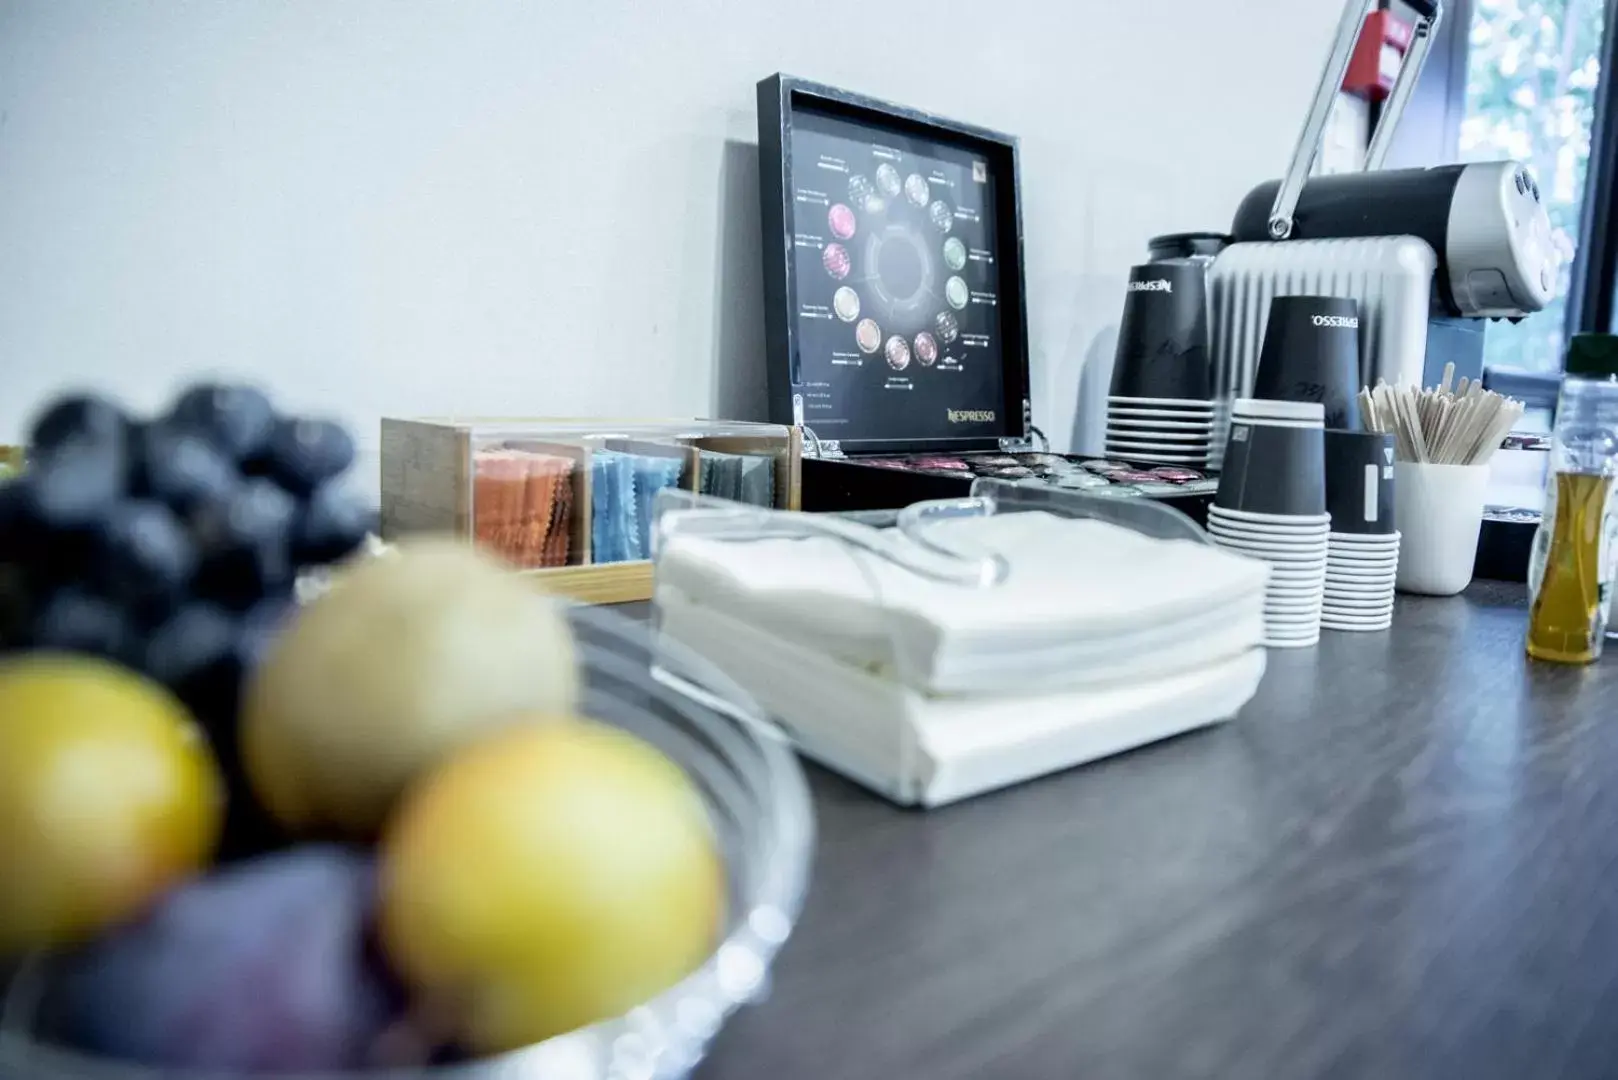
<point>1593,356</point>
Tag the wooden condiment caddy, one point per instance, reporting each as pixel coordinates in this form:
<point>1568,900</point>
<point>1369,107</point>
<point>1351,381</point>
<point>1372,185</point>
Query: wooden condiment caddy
<point>540,473</point>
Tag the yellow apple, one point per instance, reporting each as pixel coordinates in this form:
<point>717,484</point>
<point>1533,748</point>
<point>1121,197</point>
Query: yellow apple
<point>552,876</point>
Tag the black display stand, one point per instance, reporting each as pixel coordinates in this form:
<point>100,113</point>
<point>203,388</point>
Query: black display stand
<point>792,113</point>
<point>895,302</point>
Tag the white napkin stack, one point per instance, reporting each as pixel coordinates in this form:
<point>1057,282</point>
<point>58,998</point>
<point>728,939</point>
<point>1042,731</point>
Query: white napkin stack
<point>1098,640</point>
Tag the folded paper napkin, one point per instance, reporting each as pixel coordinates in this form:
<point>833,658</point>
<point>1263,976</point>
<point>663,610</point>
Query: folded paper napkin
<point>1083,603</point>
<point>914,747</point>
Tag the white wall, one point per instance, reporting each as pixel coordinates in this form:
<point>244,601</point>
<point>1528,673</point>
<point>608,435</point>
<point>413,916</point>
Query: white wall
<point>549,208</point>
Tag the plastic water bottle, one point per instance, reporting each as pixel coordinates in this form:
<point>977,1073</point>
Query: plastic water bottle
<point>1570,571</point>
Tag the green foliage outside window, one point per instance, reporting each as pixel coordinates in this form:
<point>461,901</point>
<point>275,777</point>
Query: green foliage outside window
<point>1532,72</point>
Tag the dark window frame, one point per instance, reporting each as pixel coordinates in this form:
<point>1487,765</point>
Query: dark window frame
<point>1430,130</point>
<point>1593,297</point>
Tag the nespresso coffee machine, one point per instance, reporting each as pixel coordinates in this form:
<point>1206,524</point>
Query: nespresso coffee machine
<point>1430,254</point>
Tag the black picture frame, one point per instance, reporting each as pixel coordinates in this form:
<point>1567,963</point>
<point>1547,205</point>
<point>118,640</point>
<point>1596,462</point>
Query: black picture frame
<point>781,99</point>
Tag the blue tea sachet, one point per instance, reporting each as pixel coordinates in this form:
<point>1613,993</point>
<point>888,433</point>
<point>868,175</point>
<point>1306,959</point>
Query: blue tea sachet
<point>612,510</point>
<point>652,474</point>
<point>623,491</point>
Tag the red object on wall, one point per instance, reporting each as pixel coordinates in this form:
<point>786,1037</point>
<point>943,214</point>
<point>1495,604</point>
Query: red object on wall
<point>1384,40</point>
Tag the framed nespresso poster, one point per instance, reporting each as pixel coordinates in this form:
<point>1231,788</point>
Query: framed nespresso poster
<point>893,267</point>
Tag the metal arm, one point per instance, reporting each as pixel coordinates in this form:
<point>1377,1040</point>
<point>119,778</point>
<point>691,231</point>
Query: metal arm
<point>1314,123</point>
<point>1403,88</point>
<point>1331,82</point>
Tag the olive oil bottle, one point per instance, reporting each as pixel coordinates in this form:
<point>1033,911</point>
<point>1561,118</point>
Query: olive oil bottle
<point>1567,619</point>
<point>1570,571</point>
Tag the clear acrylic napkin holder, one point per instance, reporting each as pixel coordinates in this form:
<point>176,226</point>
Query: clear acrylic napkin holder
<point>848,679</point>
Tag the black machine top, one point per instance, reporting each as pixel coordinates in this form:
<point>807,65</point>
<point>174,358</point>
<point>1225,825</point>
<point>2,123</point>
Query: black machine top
<point>1392,202</point>
<point>1403,202</point>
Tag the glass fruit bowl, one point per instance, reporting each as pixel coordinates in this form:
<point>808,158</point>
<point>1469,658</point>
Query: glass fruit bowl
<point>760,809</point>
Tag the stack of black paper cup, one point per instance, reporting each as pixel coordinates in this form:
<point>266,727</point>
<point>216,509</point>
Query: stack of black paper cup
<point>1160,407</point>
<point>1362,556</point>
<point>1312,353</point>
<point>1311,357</point>
<point>1271,505</point>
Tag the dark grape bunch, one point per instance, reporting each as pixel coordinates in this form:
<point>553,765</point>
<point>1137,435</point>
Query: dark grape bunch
<point>171,545</point>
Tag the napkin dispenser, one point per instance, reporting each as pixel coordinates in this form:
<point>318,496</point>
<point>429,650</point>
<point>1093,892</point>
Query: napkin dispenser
<point>855,645</point>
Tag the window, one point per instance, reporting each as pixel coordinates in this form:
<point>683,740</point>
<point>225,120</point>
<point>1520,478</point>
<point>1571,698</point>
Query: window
<point>1533,73</point>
